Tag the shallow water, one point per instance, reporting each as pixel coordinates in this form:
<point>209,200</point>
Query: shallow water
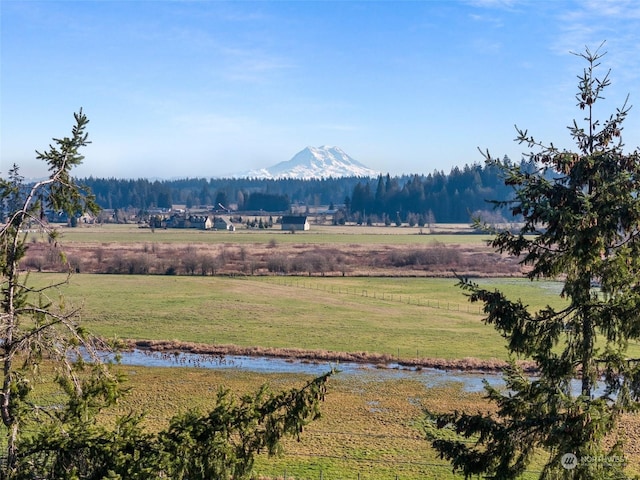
<point>430,377</point>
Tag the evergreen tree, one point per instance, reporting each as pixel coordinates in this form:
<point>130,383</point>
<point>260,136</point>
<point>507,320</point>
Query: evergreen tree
<point>65,439</point>
<point>33,327</point>
<point>221,199</point>
<point>581,213</point>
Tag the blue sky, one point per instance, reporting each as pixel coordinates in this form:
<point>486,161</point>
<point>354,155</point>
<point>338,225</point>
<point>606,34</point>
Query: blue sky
<point>208,88</point>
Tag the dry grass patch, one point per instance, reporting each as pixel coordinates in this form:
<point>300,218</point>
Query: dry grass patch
<point>203,253</point>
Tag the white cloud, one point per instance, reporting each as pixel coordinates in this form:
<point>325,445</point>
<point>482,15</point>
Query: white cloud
<point>588,24</point>
<point>622,9</point>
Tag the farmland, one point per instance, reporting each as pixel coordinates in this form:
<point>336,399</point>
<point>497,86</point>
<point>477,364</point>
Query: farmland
<point>371,424</point>
<point>403,317</point>
<point>345,251</point>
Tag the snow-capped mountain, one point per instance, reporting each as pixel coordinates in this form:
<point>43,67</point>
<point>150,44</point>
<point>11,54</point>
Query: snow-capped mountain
<point>316,162</point>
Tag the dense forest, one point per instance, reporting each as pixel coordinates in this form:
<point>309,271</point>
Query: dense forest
<point>420,199</point>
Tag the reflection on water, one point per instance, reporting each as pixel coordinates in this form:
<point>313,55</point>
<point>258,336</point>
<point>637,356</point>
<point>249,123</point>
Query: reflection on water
<point>430,377</point>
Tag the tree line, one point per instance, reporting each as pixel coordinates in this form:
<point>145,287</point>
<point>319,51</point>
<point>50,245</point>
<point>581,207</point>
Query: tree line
<point>246,193</point>
<point>420,199</point>
<point>449,198</point>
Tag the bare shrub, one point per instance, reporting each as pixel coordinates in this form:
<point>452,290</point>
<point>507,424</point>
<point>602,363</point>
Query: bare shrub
<point>299,264</point>
<point>250,267</point>
<point>36,262</point>
<point>138,265</point>
<point>171,270</point>
<point>75,263</point>
<point>278,264</point>
<point>190,264</point>
<point>53,255</point>
<point>219,262</point>
<point>312,262</point>
<point>431,256</point>
<point>118,264</point>
<point>322,263</point>
<point>206,264</point>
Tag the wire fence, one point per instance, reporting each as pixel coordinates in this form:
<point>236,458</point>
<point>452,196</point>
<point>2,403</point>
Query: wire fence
<point>382,295</point>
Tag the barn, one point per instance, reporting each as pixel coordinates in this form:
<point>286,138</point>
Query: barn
<point>295,222</point>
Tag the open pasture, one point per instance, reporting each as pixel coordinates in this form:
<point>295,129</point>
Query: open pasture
<point>320,234</point>
<point>370,427</point>
<point>401,317</point>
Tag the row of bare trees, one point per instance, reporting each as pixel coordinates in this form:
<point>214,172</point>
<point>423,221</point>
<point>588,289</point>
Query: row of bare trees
<point>156,259</point>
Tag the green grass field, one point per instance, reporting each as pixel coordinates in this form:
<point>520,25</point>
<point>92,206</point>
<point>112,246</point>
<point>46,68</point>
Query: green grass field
<point>370,428</point>
<point>408,317</point>
<point>103,234</point>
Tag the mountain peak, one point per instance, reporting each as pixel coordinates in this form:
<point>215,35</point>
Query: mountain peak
<point>315,163</point>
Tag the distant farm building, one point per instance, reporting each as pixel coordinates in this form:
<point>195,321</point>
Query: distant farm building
<point>220,223</point>
<point>201,222</point>
<point>295,222</point>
